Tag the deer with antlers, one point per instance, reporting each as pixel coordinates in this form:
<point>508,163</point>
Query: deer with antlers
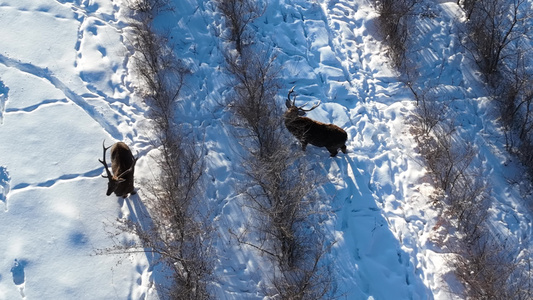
<point>123,166</point>
<point>309,131</point>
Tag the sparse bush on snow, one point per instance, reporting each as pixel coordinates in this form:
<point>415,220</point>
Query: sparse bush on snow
<point>238,15</point>
<point>279,191</point>
<point>395,27</point>
<point>483,263</point>
<point>179,231</point>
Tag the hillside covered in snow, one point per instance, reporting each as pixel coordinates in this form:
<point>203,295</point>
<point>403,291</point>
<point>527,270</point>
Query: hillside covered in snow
<point>68,81</point>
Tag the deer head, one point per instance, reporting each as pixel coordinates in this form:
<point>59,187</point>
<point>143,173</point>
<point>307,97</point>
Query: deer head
<point>294,111</point>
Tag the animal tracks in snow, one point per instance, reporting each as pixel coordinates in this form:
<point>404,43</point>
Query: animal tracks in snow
<point>107,100</point>
<point>3,99</point>
<point>370,182</point>
<point>97,113</point>
<point>19,277</point>
<point>34,107</point>
<point>64,87</point>
<point>5,182</point>
<point>49,183</point>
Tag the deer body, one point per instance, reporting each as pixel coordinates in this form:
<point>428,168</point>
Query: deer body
<point>309,131</point>
<point>122,167</point>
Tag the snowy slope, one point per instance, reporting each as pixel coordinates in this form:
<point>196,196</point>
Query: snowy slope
<point>65,86</point>
<point>62,74</point>
<point>383,221</point>
<point>380,219</point>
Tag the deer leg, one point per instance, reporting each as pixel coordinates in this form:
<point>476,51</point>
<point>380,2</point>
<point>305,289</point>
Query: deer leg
<point>333,152</point>
<point>304,145</point>
<point>343,149</point>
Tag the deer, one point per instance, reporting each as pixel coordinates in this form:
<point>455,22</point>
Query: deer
<point>309,131</point>
<point>123,166</point>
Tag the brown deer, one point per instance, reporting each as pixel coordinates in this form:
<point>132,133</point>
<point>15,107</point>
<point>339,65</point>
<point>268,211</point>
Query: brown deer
<point>123,166</point>
<point>309,131</point>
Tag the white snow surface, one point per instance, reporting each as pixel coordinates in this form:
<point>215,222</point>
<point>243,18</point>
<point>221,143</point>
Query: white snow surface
<point>65,86</point>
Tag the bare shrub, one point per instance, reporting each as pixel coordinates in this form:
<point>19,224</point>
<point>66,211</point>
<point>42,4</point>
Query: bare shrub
<point>395,26</point>
<point>493,27</point>
<point>149,8</point>
<point>429,113</point>
<point>255,89</point>
<point>450,159</point>
<point>463,191</point>
<point>238,15</point>
<point>486,263</point>
<point>525,150</point>
<point>273,191</point>
<point>499,39</point>
<point>179,230</point>
<point>309,280</point>
<point>283,197</point>
<point>162,76</point>
<point>447,158</point>
<point>468,6</point>
<point>491,269</point>
<point>515,100</point>
<point>280,187</point>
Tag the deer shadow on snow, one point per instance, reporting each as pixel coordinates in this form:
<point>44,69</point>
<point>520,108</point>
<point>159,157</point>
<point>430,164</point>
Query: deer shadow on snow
<point>368,236</point>
<point>138,220</point>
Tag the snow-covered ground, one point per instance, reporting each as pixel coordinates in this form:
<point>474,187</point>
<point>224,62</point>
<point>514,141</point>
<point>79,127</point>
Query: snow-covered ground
<point>65,86</point>
<point>64,90</point>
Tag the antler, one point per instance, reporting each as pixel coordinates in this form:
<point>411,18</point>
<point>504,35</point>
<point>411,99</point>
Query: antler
<point>104,162</point>
<point>292,103</point>
<point>288,101</point>
<point>314,106</point>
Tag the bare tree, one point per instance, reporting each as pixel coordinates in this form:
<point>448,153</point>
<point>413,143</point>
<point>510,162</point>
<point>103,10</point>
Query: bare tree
<point>239,14</point>
<point>493,27</point>
<point>491,268</point>
<point>395,26</point>
<point>255,88</point>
